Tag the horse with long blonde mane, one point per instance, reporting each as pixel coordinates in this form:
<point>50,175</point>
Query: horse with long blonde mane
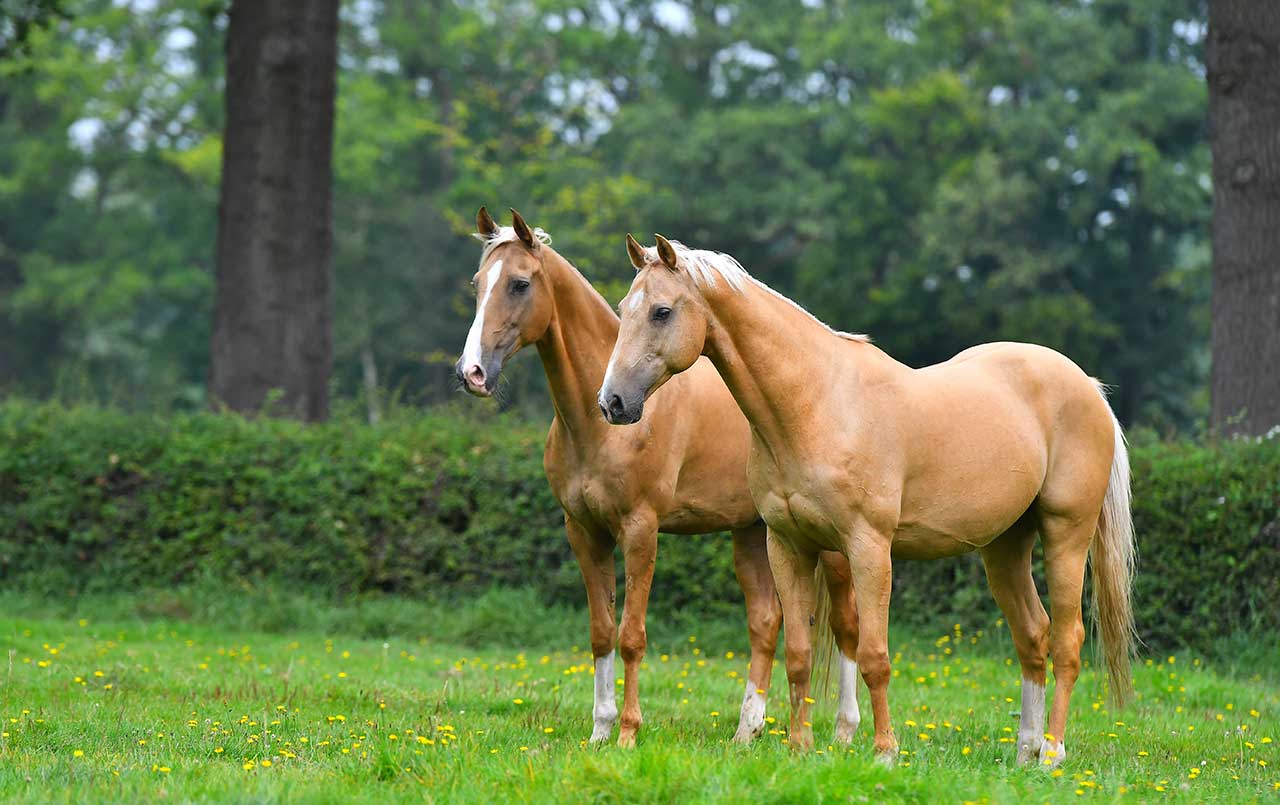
<point>857,453</point>
<point>682,471</point>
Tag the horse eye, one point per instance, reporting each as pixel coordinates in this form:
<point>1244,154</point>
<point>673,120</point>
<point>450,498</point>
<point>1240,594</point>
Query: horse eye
<point>661,314</point>
<point>519,286</point>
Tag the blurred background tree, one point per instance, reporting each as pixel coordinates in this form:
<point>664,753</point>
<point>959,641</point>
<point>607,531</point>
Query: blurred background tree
<point>1244,120</point>
<point>937,173</point>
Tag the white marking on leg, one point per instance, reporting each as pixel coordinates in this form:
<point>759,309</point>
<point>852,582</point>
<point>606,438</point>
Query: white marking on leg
<point>1052,753</point>
<point>751,722</point>
<point>471,352</point>
<point>1031,722</point>
<point>606,707</point>
<point>847,715</point>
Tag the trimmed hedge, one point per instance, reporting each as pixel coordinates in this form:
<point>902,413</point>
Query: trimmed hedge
<point>449,503</point>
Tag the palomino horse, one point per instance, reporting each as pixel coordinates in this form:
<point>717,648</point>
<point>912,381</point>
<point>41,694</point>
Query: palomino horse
<point>858,453</point>
<point>683,470</point>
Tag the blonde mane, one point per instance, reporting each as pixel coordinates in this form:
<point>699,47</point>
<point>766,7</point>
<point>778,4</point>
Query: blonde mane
<point>506,234</point>
<point>705,266</point>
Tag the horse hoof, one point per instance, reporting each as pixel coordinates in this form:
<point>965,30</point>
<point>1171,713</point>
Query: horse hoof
<point>801,741</point>
<point>627,740</point>
<point>845,730</point>
<point>1052,753</point>
<point>1029,750</point>
<point>746,735</point>
<point>887,757</point>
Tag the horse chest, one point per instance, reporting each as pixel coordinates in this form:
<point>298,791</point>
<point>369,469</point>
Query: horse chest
<point>797,513</point>
<point>590,496</point>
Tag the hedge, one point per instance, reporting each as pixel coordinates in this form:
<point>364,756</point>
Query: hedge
<point>452,502</point>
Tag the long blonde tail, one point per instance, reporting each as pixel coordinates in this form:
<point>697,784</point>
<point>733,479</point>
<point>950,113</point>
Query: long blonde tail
<point>821,637</point>
<point>1112,558</point>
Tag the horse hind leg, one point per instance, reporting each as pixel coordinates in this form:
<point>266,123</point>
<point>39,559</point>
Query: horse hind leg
<point>844,631</point>
<point>1008,563</point>
<point>1066,542</point>
<point>764,620</point>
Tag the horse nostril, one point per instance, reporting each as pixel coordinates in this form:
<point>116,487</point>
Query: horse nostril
<point>476,375</point>
<point>615,406</point>
<point>604,409</point>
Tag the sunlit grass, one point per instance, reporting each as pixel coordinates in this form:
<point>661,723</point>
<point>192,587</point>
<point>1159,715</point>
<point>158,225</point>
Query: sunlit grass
<point>127,709</point>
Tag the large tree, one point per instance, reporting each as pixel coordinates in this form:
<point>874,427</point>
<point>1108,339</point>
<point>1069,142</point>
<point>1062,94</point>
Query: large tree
<point>1243,61</point>
<point>273,309</point>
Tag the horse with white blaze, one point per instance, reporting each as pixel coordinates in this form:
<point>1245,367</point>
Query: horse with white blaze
<point>682,470</point>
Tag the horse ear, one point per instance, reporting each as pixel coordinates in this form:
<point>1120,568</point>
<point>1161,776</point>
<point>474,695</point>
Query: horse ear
<point>485,225</point>
<point>667,252</point>
<point>636,252</point>
<point>523,231</point>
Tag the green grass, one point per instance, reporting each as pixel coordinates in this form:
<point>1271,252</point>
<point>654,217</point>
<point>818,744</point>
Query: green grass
<point>379,701</point>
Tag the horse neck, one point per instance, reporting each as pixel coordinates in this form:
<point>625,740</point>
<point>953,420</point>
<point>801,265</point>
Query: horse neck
<point>775,357</point>
<point>576,347</point>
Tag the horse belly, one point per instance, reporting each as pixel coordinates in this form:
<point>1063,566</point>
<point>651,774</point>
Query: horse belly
<point>950,518</point>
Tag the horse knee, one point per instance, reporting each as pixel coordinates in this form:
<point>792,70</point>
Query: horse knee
<point>799,669</point>
<point>874,665</point>
<point>763,627</point>
<point>1033,647</point>
<point>602,641</point>
<point>632,646</point>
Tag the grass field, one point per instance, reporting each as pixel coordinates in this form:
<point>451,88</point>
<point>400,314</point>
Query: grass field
<point>101,704</point>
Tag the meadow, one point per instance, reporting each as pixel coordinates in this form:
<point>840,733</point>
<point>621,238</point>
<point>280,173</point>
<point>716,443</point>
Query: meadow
<point>150,697</point>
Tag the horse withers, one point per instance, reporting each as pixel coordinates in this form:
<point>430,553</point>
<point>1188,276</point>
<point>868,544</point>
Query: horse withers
<point>857,453</point>
<point>682,470</point>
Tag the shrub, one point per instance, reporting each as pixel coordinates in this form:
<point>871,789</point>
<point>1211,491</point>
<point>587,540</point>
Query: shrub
<point>454,503</point>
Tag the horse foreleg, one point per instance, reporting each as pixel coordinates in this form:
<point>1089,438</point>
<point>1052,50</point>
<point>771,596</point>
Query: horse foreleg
<point>872,568</point>
<point>764,619</point>
<point>1008,563</point>
<point>639,540</point>
<point>793,575</point>
<point>595,559</point>
<point>844,626</point>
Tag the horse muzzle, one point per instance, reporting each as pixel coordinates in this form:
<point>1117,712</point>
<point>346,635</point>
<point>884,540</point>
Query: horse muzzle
<point>618,411</point>
<point>476,379</point>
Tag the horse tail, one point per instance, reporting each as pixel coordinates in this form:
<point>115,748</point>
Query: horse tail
<point>821,637</point>
<point>1112,558</point>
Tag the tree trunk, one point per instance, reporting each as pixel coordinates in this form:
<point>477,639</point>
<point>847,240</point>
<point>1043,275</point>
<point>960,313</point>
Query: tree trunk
<point>273,307</point>
<point>1243,60</point>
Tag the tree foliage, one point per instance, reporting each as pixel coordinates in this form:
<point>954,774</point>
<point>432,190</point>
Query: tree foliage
<point>937,173</point>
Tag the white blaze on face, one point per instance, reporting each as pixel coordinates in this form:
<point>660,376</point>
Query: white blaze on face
<point>606,707</point>
<point>471,352</point>
<point>637,299</point>
<point>847,715</point>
